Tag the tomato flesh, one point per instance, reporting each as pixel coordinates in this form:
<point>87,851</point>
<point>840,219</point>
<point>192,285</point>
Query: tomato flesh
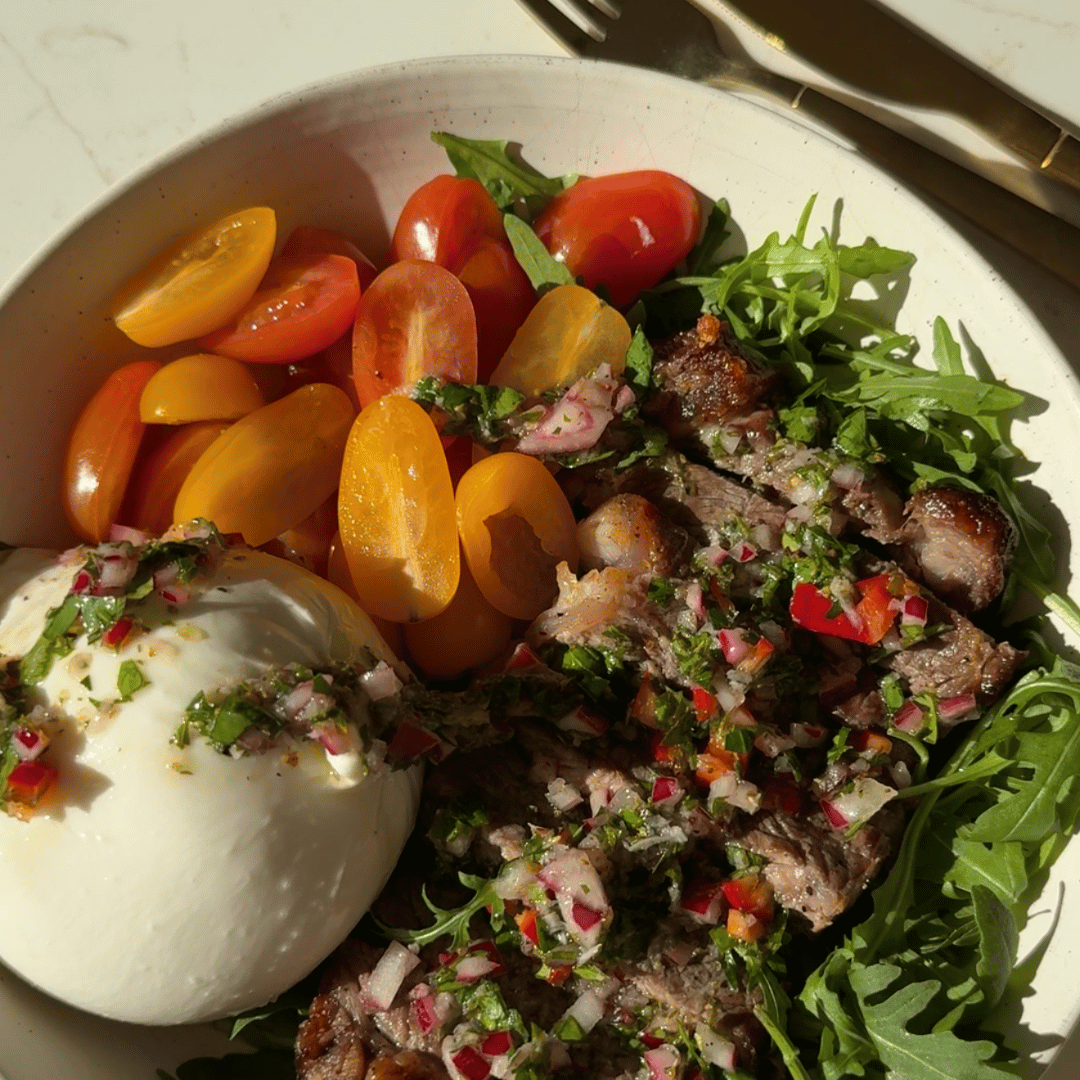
<point>502,297</point>
<point>307,240</point>
<point>194,286</point>
<point>443,221</point>
<point>272,468</point>
<point>624,231</point>
<point>516,526</point>
<point>396,513</point>
<point>303,304</point>
<point>101,451</point>
<point>566,336</point>
<point>199,387</point>
<point>157,480</point>
<point>415,319</point>
<point>467,634</point>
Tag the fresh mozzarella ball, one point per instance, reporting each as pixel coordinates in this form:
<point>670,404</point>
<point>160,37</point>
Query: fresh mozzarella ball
<point>163,885</point>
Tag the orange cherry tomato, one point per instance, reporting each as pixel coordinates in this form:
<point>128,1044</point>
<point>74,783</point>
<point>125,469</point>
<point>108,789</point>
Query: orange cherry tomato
<point>468,634</point>
<point>337,572</point>
<point>195,285</point>
<point>200,387</point>
<point>516,526</point>
<point>415,319</point>
<point>308,543</point>
<point>396,513</point>
<point>502,298</point>
<point>101,451</point>
<point>443,220</point>
<point>303,304</point>
<point>569,333</point>
<point>624,231</point>
<point>306,240</point>
<point>272,468</point>
<point>157,480</point>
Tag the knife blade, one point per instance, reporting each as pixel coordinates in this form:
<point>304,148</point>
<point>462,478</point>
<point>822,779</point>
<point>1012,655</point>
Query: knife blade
<point>876,53</point>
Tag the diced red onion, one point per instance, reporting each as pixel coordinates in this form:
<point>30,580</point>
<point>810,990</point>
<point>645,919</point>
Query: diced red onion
<point>729,439</point>
<point>733,644</point>
<point>705,901</point>
<point>680,953</point>
<point>474,966</point>
<point>909,717</point>
<point>914,611</point>
<point>741,716</point>
<point>624,398</point>
<point>695,601</point>
<point>469,1062</point>
<point>574,880</point>
<point>118,533</point>
<point>582,720</point>
<point>848,475</point>
<point>663,1062</point>
<point>432,1012</point>
<point>387,976</point>
<point>562,795</point>
<point>177,595</point>
<point>381,682</point>
<point>497,1044</point>
<point>28,743</point>
<point>584,916</point>
<point>866,797</point>
<point>956,708</point>
<point>587,1010</point>
<point>577,420</point>
<point>666,791</point>
<point>715,1049</point>
<point>901,775</point>
<point>743,552</point>
<point>333,739</point>
<point>82,582</point>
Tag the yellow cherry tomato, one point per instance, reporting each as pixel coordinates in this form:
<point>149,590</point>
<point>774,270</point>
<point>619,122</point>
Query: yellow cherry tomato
<point>569,333</point>
<point>157,480</point>
<point>516,526</point>
<point>396,513</point>
<point>337,571</point>
<point>308,543</point>
<point>200,387</point>
<point>468,634</point>
<point>271,469</point>
<point>196,284</point>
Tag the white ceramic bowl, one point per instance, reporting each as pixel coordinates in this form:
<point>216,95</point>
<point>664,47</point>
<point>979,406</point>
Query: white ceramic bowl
<point>346,155</point>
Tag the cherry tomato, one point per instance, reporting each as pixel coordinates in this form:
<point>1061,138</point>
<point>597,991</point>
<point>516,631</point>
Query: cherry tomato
<point>306,240</point>
<point>331,365</point>
<point>443,221</point>
<point>396,513</point>
<point>502,297</point>
<point>303,304</point>
<point>337,572</point>
<point>415,319</point>
<point>625,231</point>
<point>157,480</point>
<point>565,337</point>
<point>516,526</point>
<point>308,543</point>
<point>195,285</point>
<point>101,451</point>
<point>272,468</point>
<point>200,387</point>
<point>469,633</point>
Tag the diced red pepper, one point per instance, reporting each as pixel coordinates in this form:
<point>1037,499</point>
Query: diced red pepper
<point>874,742</point>
<point>410,740</point>
<point>876,608</point>
<point>558,975</point>
<point>705,704</point>
<point>118,633</point>
<point>469,1062</point>
<point>875,613</point>
<point>757,657</point>
<point>705,899</point>
<point>723,601</point>
<point>523,658</point>
<point>643,707</point>
<point>782,794</point>
<point>585,916</point>
<point>29,780</point>
<point>664,789</point>
<point>526,923</point>
<point>660,750</point>
<point>745,926</point>
<point>713,764</point>
<point>750,894</point>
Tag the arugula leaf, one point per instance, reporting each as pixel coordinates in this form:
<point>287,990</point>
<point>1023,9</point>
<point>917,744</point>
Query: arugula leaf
<point>451,922</point>
<point>544,272</point>
<point>510,181</point>
<point>262,1065</point>
<point>705,257</point>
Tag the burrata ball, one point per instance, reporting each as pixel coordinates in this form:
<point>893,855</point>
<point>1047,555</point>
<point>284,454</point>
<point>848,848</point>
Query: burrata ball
<point>165,884</point>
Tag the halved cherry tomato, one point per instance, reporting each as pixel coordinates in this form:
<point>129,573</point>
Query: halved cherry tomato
<point>443,220</point>
<point>516,526</point>
<point>396,513</point>
<point>197,283</point>
<point>331,365</point>
<point>303,304</point>
<point>307,240</point>
<point>566,336</point>
<point>308,543</point>
<point>157,480</point>
<point>200,387</point>
<point>502,298</point>
<point>101,451</point>
<point>415,319</point>
<point>337,572</point>
<point>272,468</point>
<point>469,633</point>
<point>623,231</point>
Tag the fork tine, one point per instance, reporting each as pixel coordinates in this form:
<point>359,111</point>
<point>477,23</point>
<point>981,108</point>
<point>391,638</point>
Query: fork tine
<point>561,27</point>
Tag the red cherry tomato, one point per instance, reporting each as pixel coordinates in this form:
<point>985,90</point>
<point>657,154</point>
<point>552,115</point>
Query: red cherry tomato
<point>625,231</point>
<point>415,319</point>
<point>101,451</point>
<point>502,298</point>
<point>303,304</point>
<point>444,220</point>
<point>307,240</point>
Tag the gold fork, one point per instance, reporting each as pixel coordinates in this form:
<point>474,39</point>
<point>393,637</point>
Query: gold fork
<point>675,36</point>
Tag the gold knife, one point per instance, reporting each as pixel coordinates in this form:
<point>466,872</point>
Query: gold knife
<point>876,53</point>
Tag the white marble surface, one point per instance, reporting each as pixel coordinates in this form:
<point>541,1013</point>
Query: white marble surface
<point>92,90</point>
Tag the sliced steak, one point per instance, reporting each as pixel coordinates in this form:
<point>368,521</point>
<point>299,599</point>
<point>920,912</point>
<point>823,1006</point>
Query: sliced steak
<point>959,543</point>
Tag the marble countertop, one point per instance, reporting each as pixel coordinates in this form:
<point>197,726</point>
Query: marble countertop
<point>93,90</point>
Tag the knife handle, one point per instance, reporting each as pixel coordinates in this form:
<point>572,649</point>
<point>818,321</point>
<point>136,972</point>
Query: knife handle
<point>1028,229</point>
